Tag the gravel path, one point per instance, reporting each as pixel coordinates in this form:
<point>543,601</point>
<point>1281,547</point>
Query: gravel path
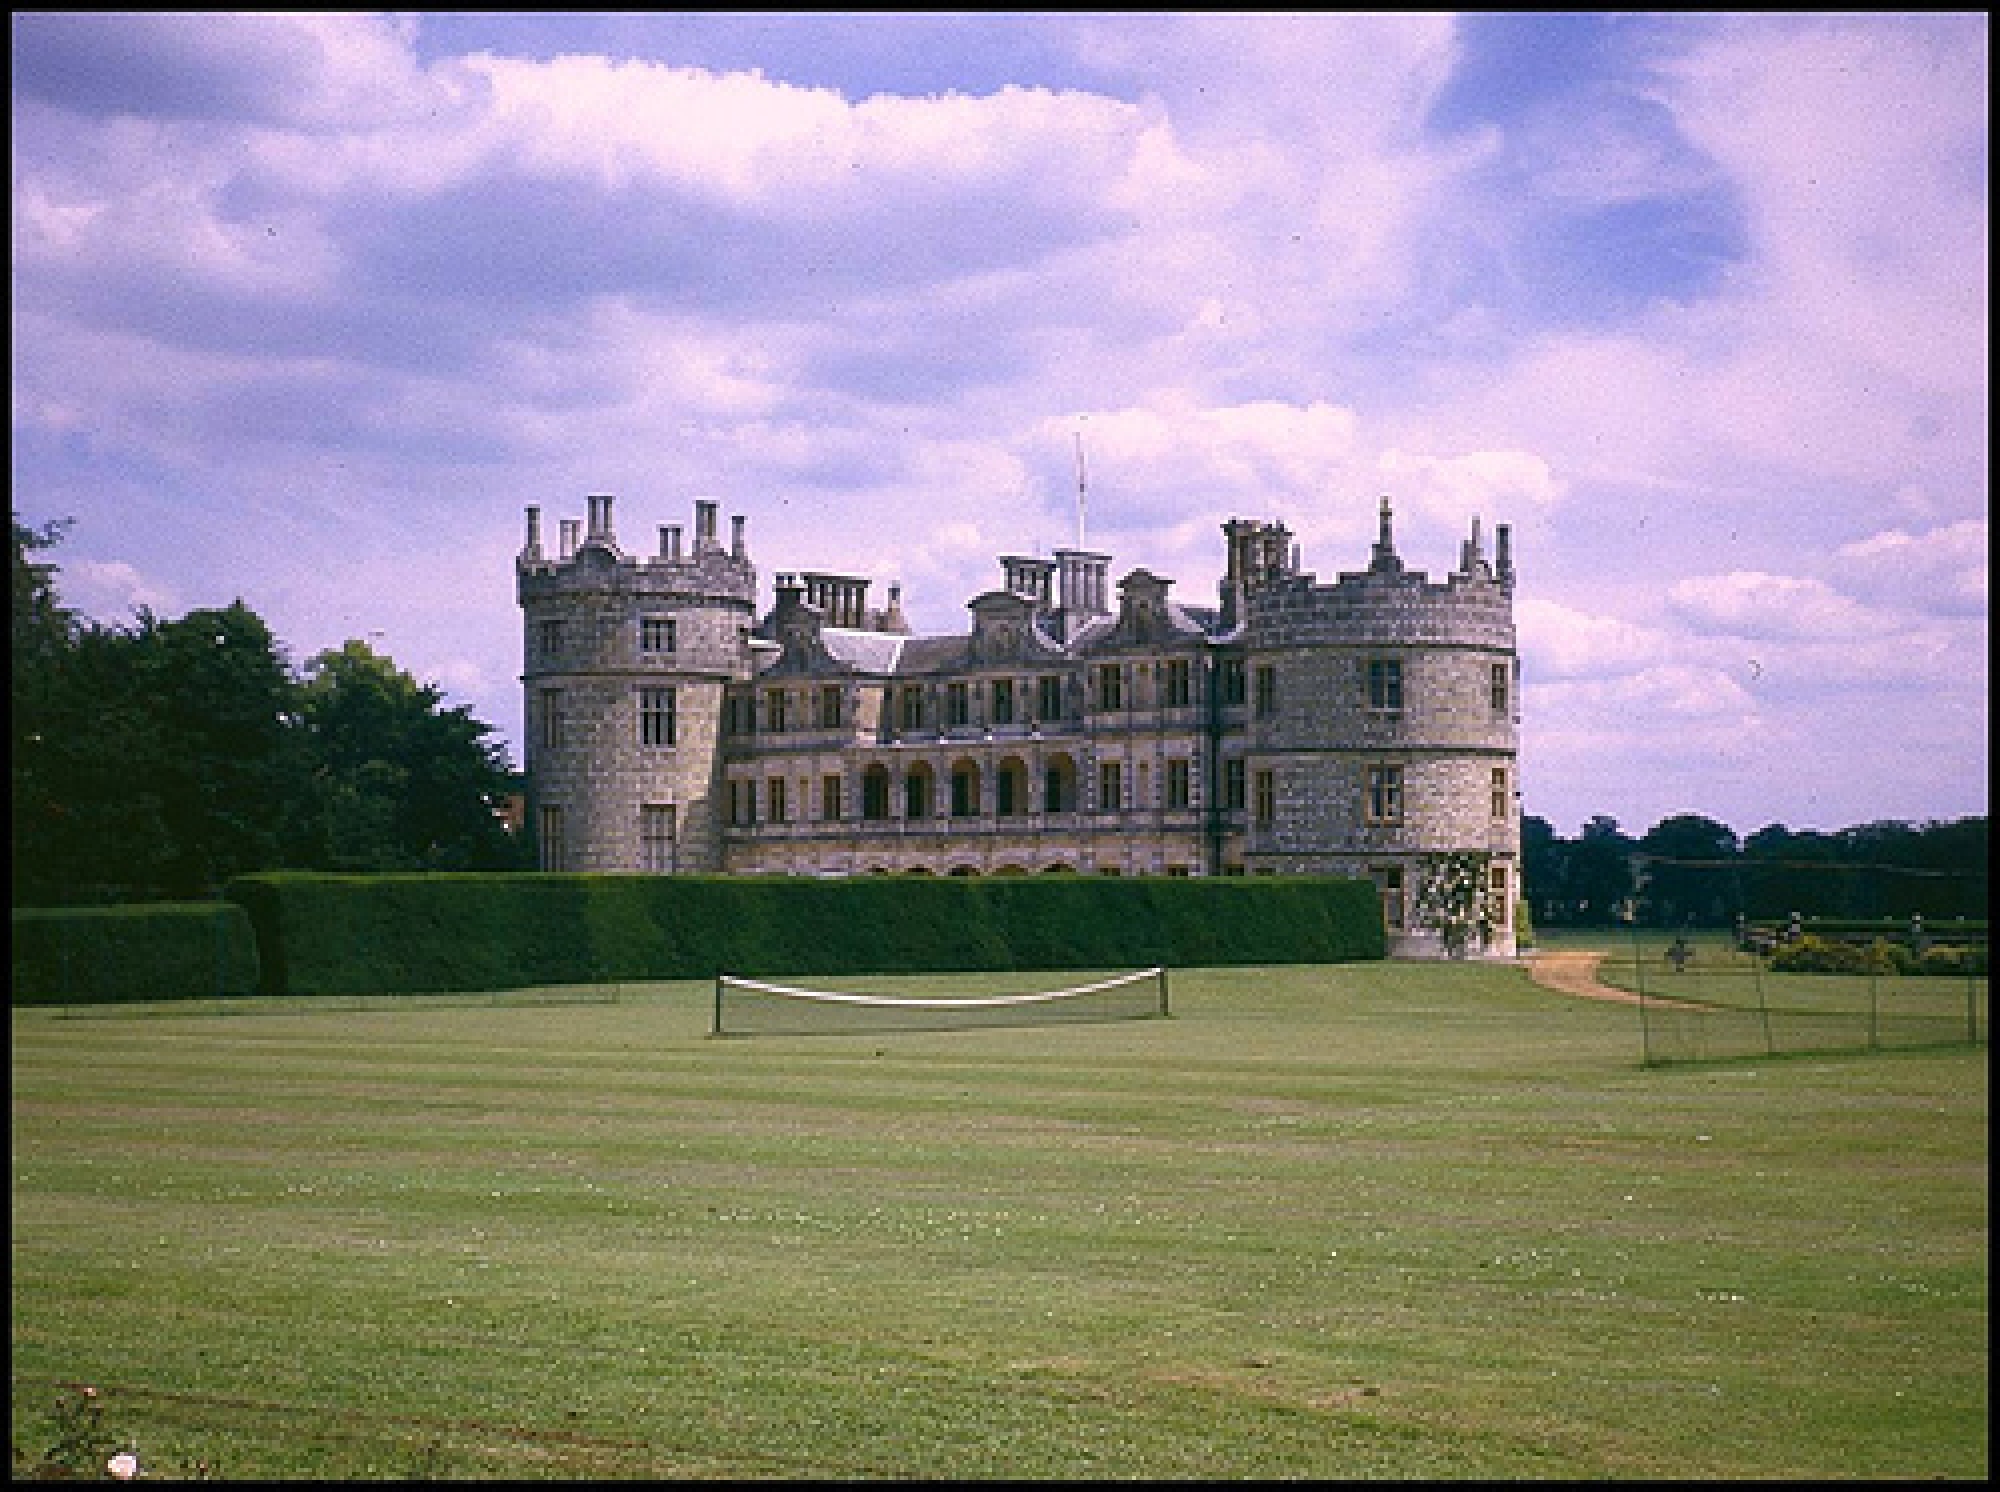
<point>1576,974</point>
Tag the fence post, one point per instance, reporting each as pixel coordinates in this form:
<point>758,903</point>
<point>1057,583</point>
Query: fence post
<point>1874,1015</point>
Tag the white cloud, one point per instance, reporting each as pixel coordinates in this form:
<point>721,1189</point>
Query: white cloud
<point>113,591</point>
<point>1755,604</point>
<point>1940,570</point>
<point>1560,642</point>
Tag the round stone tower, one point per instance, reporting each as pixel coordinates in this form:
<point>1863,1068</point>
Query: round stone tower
<point>1391,734</point>
<point>625,662</point>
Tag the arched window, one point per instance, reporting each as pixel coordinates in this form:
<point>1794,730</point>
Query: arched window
<point>919,791</point>
<point>1010,788</point>
<point>964,788</point>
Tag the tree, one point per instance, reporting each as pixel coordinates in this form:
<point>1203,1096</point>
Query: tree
<point>225,710</point>
<point>1599,881</point>
<point>1543,856</point>
<point>160,759</point>
<point>400,782</point>
<point>1691,872</point>
<point>44,632</point>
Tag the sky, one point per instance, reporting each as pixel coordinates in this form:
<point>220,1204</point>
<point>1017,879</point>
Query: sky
<point>308,309</point>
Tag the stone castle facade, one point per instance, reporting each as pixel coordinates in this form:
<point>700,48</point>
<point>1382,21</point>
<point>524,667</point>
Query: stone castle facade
<point>1365,727</point>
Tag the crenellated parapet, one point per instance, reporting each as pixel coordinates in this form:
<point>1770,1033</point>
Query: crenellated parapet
<point>1387,603</point>
<point>588,559</point>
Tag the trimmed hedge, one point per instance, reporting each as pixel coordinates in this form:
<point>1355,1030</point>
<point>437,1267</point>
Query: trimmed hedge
<point>153,951</point>
<point>417,933</point>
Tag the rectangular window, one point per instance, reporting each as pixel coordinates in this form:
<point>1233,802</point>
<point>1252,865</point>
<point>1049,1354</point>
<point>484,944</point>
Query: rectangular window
<point>1389,887</point>
<point>776,808</point>
<point>1003,701</point>
<point>1110,787</point>
<point>1229,681</point>
<point>656,836</point>
<point>548,638</point>
<point>957,704</point>
<point>774,709</point>
<point>964,792</point>
<point>657,723</point>
<point>1007,793</point>
<point>1502,799</point>
<point>656,634</point>
<point>1110,686</point>
<point>553,853</point>
<point>1180,780</point>
<point>1049,696</point>
<point>1502,900</point>
<point>1235,796</point>
<point>1178,687</point>
<point>829,707</point>
<point>742,801</point>
<point>1385,795</point>
<point>913,706</point>
<point>1385,684</point>
<point>553,724</point>
<point>1267,689</point>
<point>1267,798</point>
<point>1502,688</point>
<point>829,796</point>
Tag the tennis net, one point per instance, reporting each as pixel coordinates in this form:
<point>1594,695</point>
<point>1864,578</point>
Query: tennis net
<point>746,1007</point>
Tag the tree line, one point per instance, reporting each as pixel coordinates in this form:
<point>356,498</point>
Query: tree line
<point>1690,871</point>
<point>156,760</point>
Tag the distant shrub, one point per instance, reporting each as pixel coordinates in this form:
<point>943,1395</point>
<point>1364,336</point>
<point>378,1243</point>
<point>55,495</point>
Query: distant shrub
<point>1816,955</point>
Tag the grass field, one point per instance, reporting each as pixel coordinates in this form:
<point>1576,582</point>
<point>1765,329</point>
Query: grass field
<point>1374,1220</point>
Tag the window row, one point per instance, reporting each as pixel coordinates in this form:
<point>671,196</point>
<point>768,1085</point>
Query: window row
<point>657,635</point>
<point>659,837</point>
<point>918,706</point>
<point>656,713</point>
<point>923,792</point>
<point>1121,787</point>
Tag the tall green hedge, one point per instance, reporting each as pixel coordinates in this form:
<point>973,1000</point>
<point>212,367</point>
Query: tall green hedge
<point>385,934</point>
<point>153,951</point>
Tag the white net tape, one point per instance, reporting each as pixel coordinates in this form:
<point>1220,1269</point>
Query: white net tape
<point>745,1005</point>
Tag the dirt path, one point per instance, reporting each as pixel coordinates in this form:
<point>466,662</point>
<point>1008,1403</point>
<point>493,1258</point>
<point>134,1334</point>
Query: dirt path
<point>1575,974</point>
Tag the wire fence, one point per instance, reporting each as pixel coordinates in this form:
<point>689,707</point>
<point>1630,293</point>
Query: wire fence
<point>1709,997</point>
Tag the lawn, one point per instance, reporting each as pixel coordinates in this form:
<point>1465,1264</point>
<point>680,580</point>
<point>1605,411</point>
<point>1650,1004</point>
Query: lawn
<point>1371,1220</point>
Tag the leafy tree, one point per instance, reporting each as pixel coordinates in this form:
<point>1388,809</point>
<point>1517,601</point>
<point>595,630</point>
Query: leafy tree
<point>160,759</point>
<point>400,781</point>
<point>226,763</point>
<point>44,632</point>
<point>1691,872</point>
<point>1543,856</point>
<point>1598,880</point>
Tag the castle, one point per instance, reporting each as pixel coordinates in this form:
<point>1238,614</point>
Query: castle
<point>1365,727</point>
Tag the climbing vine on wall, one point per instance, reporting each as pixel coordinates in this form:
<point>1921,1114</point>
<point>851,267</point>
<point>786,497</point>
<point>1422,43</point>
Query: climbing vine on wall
<point>1455,899</point>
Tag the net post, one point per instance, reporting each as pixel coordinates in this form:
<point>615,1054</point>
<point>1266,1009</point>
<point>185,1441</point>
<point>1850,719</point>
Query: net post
<point>1162,972</point>
<point>715,1025</point>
